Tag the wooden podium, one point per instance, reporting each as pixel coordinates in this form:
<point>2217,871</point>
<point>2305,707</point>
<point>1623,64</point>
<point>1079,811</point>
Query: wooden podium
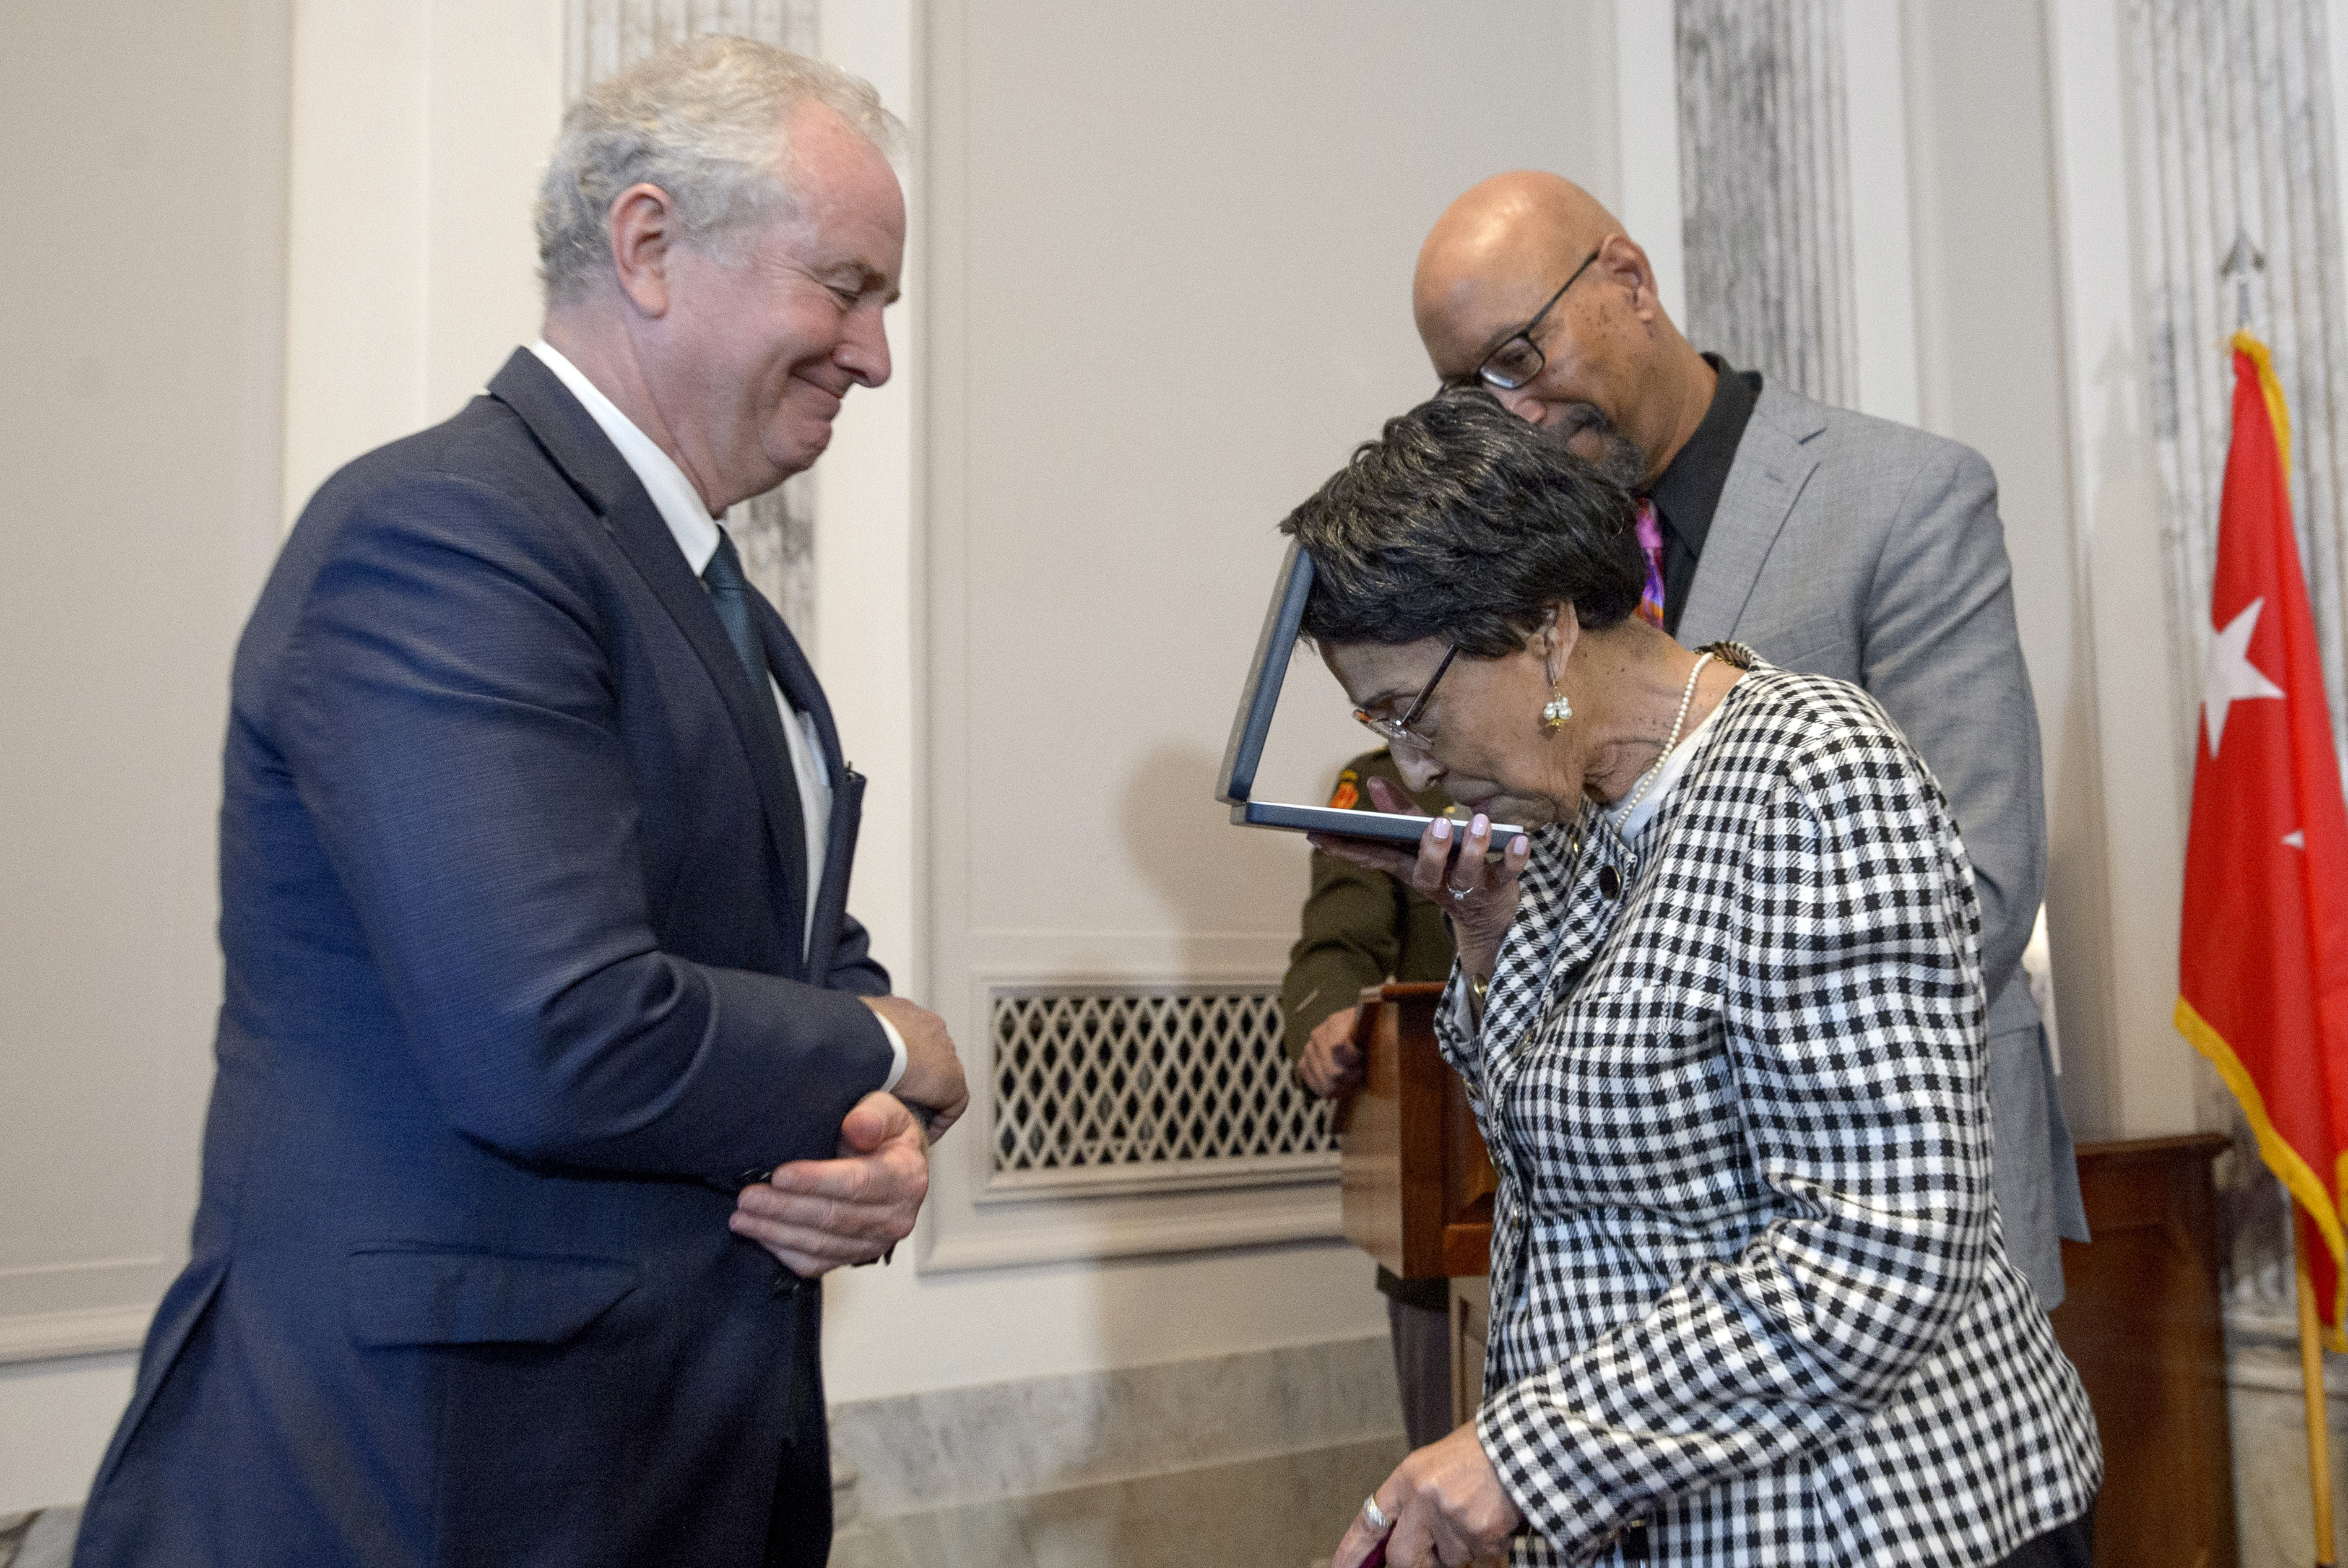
<point>1418,1182</point>
<point>2144,1321</point>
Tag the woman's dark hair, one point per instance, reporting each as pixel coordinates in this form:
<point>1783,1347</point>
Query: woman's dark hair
<point>1463,522</point>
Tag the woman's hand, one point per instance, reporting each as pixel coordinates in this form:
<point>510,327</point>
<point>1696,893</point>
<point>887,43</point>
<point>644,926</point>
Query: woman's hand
<point>1480,898</point>
<point>1447,1506</point>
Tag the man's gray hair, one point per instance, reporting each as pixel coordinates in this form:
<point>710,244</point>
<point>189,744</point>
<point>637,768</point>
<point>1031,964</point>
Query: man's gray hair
<point>704,120</point>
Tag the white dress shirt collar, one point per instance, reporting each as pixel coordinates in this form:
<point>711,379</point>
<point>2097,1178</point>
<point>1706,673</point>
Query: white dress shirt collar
<point>681,506</point>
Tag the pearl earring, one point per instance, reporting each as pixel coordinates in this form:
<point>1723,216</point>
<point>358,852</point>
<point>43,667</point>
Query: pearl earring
<point>1555,712</point>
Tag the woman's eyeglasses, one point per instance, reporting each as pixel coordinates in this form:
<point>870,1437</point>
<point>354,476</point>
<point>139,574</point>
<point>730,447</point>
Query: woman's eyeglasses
<point>1400,728</point>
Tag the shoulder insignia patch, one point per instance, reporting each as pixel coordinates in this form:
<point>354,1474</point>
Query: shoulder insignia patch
<point>1349,791</point>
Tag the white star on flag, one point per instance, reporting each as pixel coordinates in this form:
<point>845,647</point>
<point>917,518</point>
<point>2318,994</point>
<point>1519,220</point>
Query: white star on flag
<point>2228,677</point>
<point>2296,838</point>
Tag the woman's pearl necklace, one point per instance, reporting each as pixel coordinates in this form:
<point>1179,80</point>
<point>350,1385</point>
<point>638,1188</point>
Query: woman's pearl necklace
<point>1647,780</point>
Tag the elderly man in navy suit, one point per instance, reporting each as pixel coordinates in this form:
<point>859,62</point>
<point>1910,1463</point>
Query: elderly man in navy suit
<point>552,1069</point>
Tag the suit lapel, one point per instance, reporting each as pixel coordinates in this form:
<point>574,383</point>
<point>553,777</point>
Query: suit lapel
<point>839,855</point>
<point>569,436</point>
<point>797,678</point>
<point>796,675</point>
<point>1773,461</point>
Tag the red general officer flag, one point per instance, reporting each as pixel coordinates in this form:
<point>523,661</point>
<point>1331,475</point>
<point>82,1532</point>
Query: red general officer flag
<point>2263,975</point>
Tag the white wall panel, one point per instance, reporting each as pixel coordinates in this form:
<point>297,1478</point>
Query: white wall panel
<point>419,130</point>
<point>1882,262</point>
<point>2146,1080</point>
<point>1646,97</point>
<point>1992,373</point>
<point>1170,256</point>
<point>139,442</point>
<point>56,1419</point>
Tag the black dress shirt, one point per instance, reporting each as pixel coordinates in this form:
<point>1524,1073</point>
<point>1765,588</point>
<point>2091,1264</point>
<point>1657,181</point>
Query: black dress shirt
<point>1688,492</point>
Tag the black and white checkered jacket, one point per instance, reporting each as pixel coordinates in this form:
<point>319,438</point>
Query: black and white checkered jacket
<point>1747,1283</point>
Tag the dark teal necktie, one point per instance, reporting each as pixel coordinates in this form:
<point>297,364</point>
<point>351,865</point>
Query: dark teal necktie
<point>729,595</point>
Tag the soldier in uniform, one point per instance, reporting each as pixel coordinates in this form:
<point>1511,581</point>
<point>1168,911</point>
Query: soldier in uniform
<point>1362,928</point>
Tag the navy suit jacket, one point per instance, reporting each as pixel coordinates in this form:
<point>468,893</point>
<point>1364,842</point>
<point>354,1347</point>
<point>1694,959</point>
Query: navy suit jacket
<point>515,996</point>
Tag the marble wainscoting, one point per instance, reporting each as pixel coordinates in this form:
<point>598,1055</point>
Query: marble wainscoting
<point>1250,1461</point>
<point>2275,1521</point>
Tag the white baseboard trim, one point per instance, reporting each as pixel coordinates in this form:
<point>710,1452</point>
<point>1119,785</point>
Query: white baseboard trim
<point>56,1336</point>
<point>1006,1235</point>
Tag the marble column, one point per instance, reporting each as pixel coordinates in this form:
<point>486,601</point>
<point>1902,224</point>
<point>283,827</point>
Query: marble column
<point>1765,190</point>
<point>602,35</point>
<point>775,532</point>
<point>2232,113</point>
<point>2232,133</point>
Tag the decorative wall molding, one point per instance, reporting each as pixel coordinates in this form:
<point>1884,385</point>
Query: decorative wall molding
<point>85,1308</point>
<point>54,1336</point>
<point>999,1234</point>
<point>1283,1188</point>
<point>2232,114</point>
<point>1136,909</point>
<point>1090,589</point>
<point>1765,190</point>
<point>775,532</point>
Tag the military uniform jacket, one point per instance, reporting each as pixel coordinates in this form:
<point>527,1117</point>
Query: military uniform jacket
<point>1748,1277</point>
<point>1360,927</point>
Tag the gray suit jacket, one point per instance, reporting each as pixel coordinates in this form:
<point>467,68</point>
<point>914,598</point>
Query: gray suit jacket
<point>1850,546</point>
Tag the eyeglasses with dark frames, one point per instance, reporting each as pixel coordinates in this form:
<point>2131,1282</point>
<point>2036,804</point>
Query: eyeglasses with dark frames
<point>1400,728</point>
<point>1519,360</point>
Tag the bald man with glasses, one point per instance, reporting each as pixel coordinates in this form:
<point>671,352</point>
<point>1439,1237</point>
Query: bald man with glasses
<point>1830,542</point>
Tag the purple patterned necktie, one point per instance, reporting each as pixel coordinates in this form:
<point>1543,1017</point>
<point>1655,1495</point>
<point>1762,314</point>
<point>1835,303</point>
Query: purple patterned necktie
<point>1650,545</point>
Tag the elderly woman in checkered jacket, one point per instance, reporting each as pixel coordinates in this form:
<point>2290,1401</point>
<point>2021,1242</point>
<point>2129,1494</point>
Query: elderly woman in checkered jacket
<point>1720,1011</point>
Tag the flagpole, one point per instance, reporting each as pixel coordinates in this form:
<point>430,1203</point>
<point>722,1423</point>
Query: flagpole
<point>2311,1376</point>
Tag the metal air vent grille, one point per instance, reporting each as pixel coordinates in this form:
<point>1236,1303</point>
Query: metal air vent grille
<point>1105,1079</point>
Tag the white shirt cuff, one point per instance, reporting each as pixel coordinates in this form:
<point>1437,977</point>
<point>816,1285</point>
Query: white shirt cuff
<point>896,1053</point>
